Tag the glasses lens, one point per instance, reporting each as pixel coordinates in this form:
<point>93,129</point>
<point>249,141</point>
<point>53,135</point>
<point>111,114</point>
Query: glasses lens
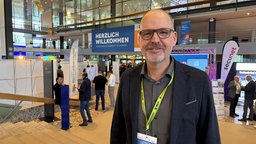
<point>146,34</point>
<point>163,33</point>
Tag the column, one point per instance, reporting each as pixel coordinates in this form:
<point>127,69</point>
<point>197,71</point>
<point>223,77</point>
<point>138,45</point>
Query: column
<point>48,92</point>
<point>113,58</point>
<point>113,8</point>
<point>61,17</point>
<point>61,42</point>
<point>61,14</point>
<point>83,40</point>
<point>7,6</point>
<point>2,30</point>
<point>211,35</point>
<point>44,43</point>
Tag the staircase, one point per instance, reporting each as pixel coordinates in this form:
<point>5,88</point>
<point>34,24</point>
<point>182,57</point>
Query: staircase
<point>40,133</point>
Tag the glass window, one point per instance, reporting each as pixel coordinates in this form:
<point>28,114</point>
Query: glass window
<point>36,19</point>
<point>105,13</point>
<point>18,15</point>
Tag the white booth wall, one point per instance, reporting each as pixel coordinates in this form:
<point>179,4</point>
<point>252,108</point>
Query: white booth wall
<point>24,77</point>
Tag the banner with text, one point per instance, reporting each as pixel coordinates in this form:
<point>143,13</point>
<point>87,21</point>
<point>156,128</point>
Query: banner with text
<point>229,52</point>
<point>73,67</point>
<point>119,39</point>
<point>185,32</point>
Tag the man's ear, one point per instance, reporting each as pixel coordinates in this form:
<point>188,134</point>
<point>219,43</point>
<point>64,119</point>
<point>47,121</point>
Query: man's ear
<point>174,37</point>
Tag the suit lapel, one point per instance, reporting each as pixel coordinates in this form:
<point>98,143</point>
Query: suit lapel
<point>178,100</point>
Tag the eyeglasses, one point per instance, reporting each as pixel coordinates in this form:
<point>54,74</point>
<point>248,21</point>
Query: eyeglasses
<point>162,33</point>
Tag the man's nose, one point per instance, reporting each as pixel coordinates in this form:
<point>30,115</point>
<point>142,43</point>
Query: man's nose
<point>155,37</point>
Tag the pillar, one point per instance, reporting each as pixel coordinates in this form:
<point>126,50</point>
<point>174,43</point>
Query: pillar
<point>113,8</point>
<point>211,35</point>
<point>44,43</point>
<point>83,40</point>
<point>61,13</point>
<point>48,92</point>
<point>61,42</point>
<point>8,28</point>
<point>2,30</point>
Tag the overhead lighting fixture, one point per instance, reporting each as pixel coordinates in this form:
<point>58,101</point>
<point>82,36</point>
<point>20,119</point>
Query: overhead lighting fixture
<point>68,13</point>
<point>21,57</point>
<point>155,4</point>
<point>39,5</point>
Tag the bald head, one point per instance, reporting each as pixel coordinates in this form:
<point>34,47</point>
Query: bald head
<point>236,78</point>
<point>248,78</point>
<point>156,17</point>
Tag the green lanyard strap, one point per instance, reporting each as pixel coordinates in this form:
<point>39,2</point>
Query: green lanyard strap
<point>157,103</point>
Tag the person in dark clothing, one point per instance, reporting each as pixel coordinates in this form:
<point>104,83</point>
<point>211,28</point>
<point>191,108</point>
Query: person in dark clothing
<point>100,82</point>
<point>60,72</point>
<point>84,97</point>
<point>234,93</point>
<point>122,69</point>
<point>249,91</point>
<point>163,101</point>
<point>57,90</point>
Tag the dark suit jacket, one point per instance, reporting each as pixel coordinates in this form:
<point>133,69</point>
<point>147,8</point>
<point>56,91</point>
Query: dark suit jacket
<point>85,90</point>
<point>193,116</point>
<point>249,90</point>
<point>57,90</point>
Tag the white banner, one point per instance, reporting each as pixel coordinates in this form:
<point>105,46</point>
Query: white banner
<point>229,52</point>
<point>73,66</point>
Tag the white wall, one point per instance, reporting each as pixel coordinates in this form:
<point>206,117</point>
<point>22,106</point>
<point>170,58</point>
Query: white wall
<point>23,77</point>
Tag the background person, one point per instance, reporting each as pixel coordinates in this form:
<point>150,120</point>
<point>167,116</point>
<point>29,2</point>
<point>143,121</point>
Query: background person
<point>84,97</point>
<point>111,87</point>
<point>234,93</point>
<point>60,72</point>
<point>100,83</point>
<point>57,90</point>
<point>249,91</point>
<point>181,96</point>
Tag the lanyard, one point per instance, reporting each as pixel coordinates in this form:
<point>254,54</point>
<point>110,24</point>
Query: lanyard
<point>157,103</point>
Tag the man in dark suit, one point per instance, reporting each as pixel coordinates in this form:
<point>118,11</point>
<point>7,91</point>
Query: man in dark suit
<point>84,98</point>
<point>57,90</point>
<point>234,93</point>
<point>163,101</point>
<point>249,91</point>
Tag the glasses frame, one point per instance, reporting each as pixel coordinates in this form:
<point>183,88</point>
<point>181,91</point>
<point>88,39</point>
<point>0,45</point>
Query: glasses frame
<point>157,32</point>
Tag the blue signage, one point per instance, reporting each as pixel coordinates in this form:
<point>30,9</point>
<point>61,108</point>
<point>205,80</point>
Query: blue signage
<point>185,32</point>
<point>119,39</point>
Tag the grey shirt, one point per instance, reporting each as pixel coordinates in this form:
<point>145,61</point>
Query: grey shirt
<point>160,126</point>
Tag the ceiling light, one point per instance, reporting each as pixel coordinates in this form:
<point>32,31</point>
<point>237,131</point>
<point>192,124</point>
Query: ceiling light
<point>155,4</point>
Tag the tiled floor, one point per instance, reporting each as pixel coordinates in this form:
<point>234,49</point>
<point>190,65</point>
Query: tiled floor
<point>239,111</point>
<point>232,131</point>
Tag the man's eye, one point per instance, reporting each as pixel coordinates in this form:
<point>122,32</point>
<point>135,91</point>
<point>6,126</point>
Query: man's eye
<point>147,33</point>
<point>163,32</point>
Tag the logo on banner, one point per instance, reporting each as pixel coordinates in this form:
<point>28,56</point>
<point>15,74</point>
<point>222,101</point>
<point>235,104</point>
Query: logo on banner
<point>119,39</point>
<point>229,52</point>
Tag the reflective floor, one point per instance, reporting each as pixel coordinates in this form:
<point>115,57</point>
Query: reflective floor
<point>232,131</point>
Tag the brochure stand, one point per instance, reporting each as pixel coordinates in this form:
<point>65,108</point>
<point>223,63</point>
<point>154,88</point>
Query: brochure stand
<point>218,96</point>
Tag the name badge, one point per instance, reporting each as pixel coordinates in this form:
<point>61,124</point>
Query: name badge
<point>145,139</point>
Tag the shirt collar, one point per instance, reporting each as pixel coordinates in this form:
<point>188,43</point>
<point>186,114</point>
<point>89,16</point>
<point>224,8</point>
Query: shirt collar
<point>168,72</point>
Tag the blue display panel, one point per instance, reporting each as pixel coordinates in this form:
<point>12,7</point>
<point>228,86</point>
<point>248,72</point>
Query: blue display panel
<point>199,61</point>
